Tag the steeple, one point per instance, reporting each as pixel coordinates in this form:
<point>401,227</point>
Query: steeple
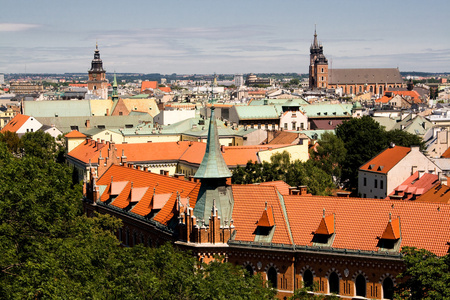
<point>315,43</point>
<point>213,172</point>
<point>96,64</point>
<point>213,165</point>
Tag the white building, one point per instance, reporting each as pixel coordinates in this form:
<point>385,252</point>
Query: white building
<point>238,80</point>
<point>382,174</point>
<point>167,117</point>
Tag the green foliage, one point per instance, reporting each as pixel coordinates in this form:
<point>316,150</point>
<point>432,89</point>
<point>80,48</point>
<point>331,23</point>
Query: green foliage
<point>363,139</point>
<point>306,293</point>
<point>427,276</point>
<point>293,173</point>
<point>329,155</point>
<point>51,250</point>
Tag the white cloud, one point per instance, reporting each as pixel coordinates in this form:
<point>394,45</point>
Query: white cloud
<point>9,27</point>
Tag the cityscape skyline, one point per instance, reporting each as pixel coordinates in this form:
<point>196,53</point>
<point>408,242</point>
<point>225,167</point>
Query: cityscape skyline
<point>227,37</point>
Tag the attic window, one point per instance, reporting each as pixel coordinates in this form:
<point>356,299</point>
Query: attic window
<point>324,233</point>
<point>391,236</point>
<point>101,126</point>
<point>73,127</point>
<point>266,219</point>
<point>128,125</point>
<point>371,167</point>
<point>318,113</point>
<point>380,168</point>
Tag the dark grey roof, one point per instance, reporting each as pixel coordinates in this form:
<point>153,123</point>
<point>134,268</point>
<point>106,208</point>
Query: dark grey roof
<point>361,76</point>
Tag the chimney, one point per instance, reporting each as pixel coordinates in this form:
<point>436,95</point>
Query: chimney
<point>343,194</point>
<point>164,172</point>
<point>88,124</point>
<point>178,175</point>
<point>303,189</point>
<point>138,167</point>
<point>146,169</point>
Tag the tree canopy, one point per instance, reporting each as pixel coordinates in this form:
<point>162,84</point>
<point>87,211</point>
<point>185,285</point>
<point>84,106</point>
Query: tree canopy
<point>427,276</point>
<point>363,139</point>
<point>294,173</point>
<point>50,249</point>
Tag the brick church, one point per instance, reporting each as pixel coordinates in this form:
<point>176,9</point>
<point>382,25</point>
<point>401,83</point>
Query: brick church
<point>344,246</point>
<point>351,81</point>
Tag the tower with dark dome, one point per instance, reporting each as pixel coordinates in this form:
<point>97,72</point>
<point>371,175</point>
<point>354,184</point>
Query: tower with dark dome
<point>97,83</point>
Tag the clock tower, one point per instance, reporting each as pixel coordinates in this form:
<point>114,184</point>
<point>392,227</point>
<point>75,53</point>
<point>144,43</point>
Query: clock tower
<point>97,83</point>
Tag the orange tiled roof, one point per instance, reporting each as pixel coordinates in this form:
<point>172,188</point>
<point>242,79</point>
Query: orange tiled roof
<point>440,193</point>
<point>165,89</point>
<point>415,97</point>
<point>446,154</point>
<point>280,185</point>
<point>155,183</point>
<point>384,99</point>
<point>266,219</point>
<point>15,123</point>
<point>392,231</point>
<point>249,201</point>
<point>148,85</point>
<point>75,134</point>
<point>359,221</point>
<point>386,160</point>
<point>415,186</point>
<point>78,84</point>
<point>326,225</point>
<point>134,152</point>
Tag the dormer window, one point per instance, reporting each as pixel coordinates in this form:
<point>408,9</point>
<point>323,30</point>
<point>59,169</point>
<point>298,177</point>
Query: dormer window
<point>325,232</point>
<point>391,237</point>
<point>265,227</point>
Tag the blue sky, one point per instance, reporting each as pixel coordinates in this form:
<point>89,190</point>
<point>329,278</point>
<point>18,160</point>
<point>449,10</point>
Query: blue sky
<point>203,37</point>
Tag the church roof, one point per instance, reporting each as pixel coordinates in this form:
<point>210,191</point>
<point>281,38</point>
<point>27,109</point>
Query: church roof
<point>362,76</point>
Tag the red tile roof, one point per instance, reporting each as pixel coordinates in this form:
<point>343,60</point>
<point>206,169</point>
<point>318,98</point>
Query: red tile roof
<point>75,134</point>
<point>386,160</point>
<point>266,219</point>
<point>15,123</point>
<point>280,185</point>
<point>148,85</point>
<point>440,193</point>
<point>125,179</point>
<point>415,186</point>
<point>249,202</point>
<point>165,89</point>
<point>326,225</point>
<point>360,221</point>
<point>446,154</point>
<point>414,95</point>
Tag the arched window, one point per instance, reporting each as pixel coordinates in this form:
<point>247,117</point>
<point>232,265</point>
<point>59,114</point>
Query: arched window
<point>388,288</point>
<point>371,89</point>
<point>351,90</point>
<point>333,282</point>
<point>249,270</point>
<point>360,286</point>
<point>308,279</point>
<point>272,277</point>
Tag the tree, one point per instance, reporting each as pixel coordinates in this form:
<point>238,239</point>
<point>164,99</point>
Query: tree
<point>426,276</point>
<point>281,168</point>
<point>329,155</point>
<point>363,139</point>
<point>51,250</point>
<point>404,138</point>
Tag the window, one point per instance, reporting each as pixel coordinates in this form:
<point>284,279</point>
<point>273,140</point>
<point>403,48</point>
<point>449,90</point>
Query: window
<point>360,89</point>
<point>371,89</point>
<point>120,113</point>
<point>285,126</point>
<point>308,279</point>
<point>334,283</point>
<point>272,277</point>
<point>351,90</point>
<point>360,286</point>
<point>388,288</point>
<point>381,184</point>
<point>322,71</point>
<point>375,183</point>
<point>294,124</point>
<point>128,125</point>
<point>364,181</point>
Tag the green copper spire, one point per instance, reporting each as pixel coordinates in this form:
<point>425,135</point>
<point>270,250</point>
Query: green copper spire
<point>115,94</point>
<point>213,165</point>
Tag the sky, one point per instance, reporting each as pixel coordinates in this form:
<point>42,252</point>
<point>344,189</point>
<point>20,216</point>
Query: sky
<point>224,37</point>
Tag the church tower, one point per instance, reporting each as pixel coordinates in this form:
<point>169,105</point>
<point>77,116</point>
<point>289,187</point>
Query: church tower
<point>97,83</point>
<point>318,66</point>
